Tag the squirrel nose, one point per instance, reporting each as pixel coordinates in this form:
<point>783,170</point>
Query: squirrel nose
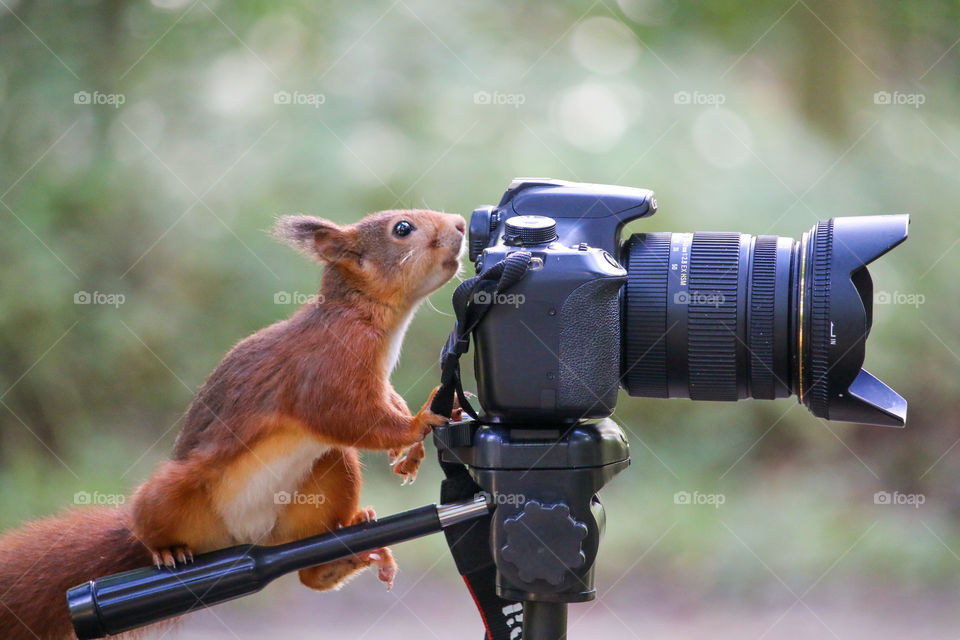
<point>460,225</point>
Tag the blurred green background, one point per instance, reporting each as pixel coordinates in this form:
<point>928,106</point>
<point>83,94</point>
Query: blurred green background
<point>145,149</point>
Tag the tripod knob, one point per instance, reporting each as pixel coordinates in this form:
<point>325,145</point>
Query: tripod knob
<point>544,542</point>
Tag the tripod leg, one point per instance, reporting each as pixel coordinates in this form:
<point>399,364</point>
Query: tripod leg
<point>544,620</point>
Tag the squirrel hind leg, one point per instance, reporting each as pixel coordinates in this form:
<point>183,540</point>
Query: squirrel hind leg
<point>333,575</point>
<point>172,515</point>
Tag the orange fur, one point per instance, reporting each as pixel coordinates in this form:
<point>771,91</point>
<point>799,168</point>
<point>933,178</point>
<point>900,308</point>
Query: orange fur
<point>283,413</point>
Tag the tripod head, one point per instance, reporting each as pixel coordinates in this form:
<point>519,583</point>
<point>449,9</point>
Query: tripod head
<point>547,522</point>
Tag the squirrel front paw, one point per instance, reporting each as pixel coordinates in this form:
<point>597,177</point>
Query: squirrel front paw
<point>406,462</point>
<point>423,423</point>
<point>170,556</point>
<point>426,419</point>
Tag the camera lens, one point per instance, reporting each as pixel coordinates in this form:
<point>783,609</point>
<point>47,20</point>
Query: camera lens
<point>726,316</point>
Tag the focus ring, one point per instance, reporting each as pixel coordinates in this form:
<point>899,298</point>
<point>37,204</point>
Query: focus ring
<point>762,291</point>
<point>712,316</point>
<point>645,315</point>
<point>822,250</point>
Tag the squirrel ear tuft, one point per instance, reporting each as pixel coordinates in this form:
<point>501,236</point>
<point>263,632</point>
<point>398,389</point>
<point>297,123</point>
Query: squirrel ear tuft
<point>314,237</point>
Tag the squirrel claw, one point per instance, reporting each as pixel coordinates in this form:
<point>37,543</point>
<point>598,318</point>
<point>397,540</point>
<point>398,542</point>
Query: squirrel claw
<point>170,556</point>
<point>364,514</point>
<point>163,558</point>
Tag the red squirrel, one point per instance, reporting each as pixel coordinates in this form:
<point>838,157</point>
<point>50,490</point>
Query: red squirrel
<point>268,451</point>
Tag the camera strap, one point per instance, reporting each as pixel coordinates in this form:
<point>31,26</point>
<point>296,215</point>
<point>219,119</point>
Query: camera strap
<point>469,542</point>
<point>472,300</point>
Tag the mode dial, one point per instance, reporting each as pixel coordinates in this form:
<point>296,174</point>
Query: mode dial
<point>527,230</point>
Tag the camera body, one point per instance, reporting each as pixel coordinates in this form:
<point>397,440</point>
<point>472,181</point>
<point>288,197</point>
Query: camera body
<point>549,350</point>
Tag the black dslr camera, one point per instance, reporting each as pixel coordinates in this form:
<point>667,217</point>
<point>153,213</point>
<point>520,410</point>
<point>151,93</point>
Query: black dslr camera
<point>706,315</point>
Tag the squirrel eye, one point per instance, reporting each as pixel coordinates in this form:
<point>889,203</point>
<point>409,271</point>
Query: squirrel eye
<point>402,229</point>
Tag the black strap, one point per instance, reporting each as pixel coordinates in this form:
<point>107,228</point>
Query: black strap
<point>469,542</point>
<point>471,302</point>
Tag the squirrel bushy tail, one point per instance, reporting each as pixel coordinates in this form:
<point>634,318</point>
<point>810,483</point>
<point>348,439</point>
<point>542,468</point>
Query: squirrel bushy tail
<point>42,559</point>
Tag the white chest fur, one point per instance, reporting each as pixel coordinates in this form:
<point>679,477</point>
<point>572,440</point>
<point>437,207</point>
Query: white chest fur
<point>396,340</point>
<point>251,511</point>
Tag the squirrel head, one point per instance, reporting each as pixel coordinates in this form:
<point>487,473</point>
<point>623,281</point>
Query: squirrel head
<point>397,257</point>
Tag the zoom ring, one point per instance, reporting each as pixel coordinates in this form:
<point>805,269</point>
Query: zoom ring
<point>645,350</point>
<point>712,316</point>
<point>818,392</point>
<point>763,281</point>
